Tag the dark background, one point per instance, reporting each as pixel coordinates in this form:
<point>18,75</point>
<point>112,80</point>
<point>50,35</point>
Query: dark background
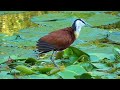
<point>47,5</point>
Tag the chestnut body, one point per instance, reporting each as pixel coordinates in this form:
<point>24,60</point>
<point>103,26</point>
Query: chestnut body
<point>56,41</point>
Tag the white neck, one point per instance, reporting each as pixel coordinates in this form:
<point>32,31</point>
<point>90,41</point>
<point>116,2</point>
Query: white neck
<point>78,25</point>
<point>77,32</point>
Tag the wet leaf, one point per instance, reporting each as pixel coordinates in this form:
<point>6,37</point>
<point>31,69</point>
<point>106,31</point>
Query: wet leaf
<point>67,52</point>
<point>59,55</point>
<point>78,52</point>
<point>100,56</point>
<point>114,37</point>
<point>40,76</point>
<point>43,70</point>
<point>5,75</point>
<point>118,65</point>
<point>87,66</point>
<point>94,58</point>
<point>100,65</point>
<point>24,69</point>
<point>53,71</point>
<point>71,71</point>
<point>31,60</point>
<point>67,74</point>
<point>108,19</point>
<point>83,76</point>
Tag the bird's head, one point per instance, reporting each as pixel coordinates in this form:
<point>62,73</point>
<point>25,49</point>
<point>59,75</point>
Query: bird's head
<point>77,25</point>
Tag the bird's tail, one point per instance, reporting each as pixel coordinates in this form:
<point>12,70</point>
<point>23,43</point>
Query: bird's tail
<point>44,47</point>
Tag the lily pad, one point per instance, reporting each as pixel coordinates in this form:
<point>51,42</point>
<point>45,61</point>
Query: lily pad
<point>114,37</point>
<point>24,69</point>
<point>5,75</point>
<point>91,34</point>
<point>40,76</point>
<point>83,76</point>
<point>71,71</point>
<point>100,65</point>
<point>106,19</point>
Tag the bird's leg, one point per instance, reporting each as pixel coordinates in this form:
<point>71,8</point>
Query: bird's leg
<point>55,53</point>
<point>53,60</point>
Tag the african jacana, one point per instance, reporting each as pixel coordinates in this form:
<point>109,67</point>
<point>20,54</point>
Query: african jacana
<point>60,39</point>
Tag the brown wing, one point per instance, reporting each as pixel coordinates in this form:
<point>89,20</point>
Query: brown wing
<point>57,40</point>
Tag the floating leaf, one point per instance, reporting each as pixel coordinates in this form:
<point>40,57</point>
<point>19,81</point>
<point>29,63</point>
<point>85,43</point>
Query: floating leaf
<point>5,75</point>
<point>106,54</point>
<point>114,37</point>
<point>24,69</point>
<point>67,74</point>
<point>87,66</point>
<point>59,55</point>
<point>97,20</point>
<point>118,65</point>
<point>76,68</point>
<point>91,34</point>
<point>100,65</point>
<point>71,71</point>
<point>43,70</point>
<point>67,52</point>
<point>40,76</point>
<point>94,58</point>
<point>83,76</point>
<point>77,52</point>
<point>31,60</point>
<point>53,71</point>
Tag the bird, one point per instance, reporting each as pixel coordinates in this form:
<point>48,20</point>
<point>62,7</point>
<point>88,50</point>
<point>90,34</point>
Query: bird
<point>61,39</point>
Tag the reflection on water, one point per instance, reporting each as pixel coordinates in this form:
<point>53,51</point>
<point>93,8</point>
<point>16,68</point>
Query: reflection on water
<point>12,22</point>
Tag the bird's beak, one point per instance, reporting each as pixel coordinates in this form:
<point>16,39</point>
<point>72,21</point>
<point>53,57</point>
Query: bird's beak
<point>88,25</point>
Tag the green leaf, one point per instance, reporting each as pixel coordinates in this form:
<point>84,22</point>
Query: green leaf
<point>24,69</point>
<point>59,19</point>
<point>118,65</point>
<point>83,58</point>
<point>91,34</point>
<point>100,65</point>
<point>72,60</point>
<point>40,76</point>
<point>87,66</point>
<point>77,52</point>
<point>109,76</point>
<point>42,70</point>
<point>97,73</point>
<point>59,55</point>
<point>94,58</point>
<point>106,54</point>
<point>31,60</point>
<point>5,75</point>
<point>108,19</point>
<point>67,74</point>
<point>76,68</point>
<point>117,51</point>
<point>53,71</point>
<point>83,76</point>
<point>71,71</point>
<point>114,37</point>
<point>67,52</point>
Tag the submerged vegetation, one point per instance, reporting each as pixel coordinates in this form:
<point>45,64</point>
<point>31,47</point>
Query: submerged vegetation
<point>94,55</point>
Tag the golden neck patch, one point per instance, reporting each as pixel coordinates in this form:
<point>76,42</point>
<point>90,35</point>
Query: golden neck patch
<point>76,34</point>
